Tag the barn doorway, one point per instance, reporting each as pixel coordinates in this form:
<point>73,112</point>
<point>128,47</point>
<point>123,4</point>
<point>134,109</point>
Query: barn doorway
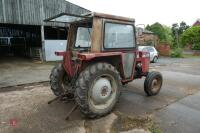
<point>17,40</point>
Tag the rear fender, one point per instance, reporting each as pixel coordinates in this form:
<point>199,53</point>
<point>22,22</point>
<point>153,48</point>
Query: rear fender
<point>68,65</point>
<point>113,58</point>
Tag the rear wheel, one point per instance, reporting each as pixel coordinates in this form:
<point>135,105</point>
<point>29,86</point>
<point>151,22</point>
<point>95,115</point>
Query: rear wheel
<point>59,80</point>
<point>153,83</point>
<point>97,89</point>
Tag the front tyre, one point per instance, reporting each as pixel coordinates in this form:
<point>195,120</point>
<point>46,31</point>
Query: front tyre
<point>153,83</point>
<point>97,89</point>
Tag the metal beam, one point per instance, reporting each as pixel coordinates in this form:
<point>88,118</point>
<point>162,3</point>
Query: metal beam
<point>43,43</point>
<point>4,11</point>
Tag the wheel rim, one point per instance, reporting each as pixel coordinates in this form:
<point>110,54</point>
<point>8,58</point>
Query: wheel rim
<point>156,84</point>
<point>103,92</point>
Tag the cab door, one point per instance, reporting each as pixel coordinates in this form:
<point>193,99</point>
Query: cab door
<point>120,37</point>
<point>128,64</point>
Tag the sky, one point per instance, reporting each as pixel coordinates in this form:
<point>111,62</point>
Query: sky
<point>146,12</point>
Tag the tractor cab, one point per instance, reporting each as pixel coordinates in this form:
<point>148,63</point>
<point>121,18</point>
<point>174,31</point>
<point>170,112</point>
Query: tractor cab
<point>97,36</point>
<point>96,32</point>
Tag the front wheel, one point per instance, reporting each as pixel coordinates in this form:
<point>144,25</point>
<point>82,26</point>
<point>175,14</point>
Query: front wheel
<point>97,89</point>
<point>153,83</point>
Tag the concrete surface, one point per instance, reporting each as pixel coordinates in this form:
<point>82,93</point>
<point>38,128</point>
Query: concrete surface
<point>136,131</point>
<point>15,71</point>
<point>29,110</point>
<point>176,108</point>
<point>182,116</point>
<point>102,125</point>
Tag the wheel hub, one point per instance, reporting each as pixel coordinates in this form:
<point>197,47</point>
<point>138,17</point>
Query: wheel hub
<point>101,90</point>
<point>155,85</point>
<point>104,91</point>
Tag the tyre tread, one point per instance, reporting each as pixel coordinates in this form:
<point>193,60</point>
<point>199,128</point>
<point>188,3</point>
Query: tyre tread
<point>82,87</point>
<point>148,80</point>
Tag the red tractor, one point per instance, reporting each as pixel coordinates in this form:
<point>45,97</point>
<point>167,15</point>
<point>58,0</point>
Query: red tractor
<point>101,56</point>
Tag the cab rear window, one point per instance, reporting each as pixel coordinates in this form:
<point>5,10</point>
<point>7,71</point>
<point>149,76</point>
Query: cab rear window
<point>118,36</point>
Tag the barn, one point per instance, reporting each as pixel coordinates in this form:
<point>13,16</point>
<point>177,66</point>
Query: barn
<point>23,33</point>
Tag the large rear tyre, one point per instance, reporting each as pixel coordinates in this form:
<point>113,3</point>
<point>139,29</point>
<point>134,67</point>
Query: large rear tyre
<point>97,89</point>
<point>59,80</point>
<point>153,83</point>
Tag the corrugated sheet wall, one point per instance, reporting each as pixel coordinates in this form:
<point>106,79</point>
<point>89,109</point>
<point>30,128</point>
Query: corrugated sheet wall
<point>33,12</point>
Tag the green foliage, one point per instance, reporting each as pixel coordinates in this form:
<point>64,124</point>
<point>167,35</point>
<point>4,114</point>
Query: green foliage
<point>168,34</point>
<point>158,29</point>
<point>177,53</point>
<point>196,46</point>
<point>183,26</point>
<point>155,129</point>
<point>191,36</point>
<point>177,30</point>
<point>163,32</point>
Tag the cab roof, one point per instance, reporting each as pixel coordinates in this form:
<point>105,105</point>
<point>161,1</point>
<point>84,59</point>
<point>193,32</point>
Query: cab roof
<point>70,18</point>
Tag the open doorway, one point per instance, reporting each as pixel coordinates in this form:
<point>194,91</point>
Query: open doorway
<point>17,40</point>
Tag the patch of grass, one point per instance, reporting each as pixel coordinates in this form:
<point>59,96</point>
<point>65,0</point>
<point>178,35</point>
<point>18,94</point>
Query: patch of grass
<point>126,123</point>
<point>191,56</point>
<point>177,53</point>
<point>155,129</point>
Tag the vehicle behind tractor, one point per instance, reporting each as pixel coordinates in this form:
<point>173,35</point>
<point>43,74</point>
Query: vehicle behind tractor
<point>100,57</point>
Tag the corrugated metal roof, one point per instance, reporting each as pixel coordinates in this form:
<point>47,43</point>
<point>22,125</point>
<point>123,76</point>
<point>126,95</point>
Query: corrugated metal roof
<point>33,12</point>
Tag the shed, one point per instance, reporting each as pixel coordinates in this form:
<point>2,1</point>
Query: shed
<point>23,32</point>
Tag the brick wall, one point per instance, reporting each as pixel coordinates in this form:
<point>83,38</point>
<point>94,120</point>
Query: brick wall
<point>163,49</point>
<point>145,39</point>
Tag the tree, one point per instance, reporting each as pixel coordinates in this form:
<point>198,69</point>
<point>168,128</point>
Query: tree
<point>183,26</point>
<point>168,34</point>
<point>179,27</point>
<point>158,29</point>
<point>177,30</point>
<point>191,36</point>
